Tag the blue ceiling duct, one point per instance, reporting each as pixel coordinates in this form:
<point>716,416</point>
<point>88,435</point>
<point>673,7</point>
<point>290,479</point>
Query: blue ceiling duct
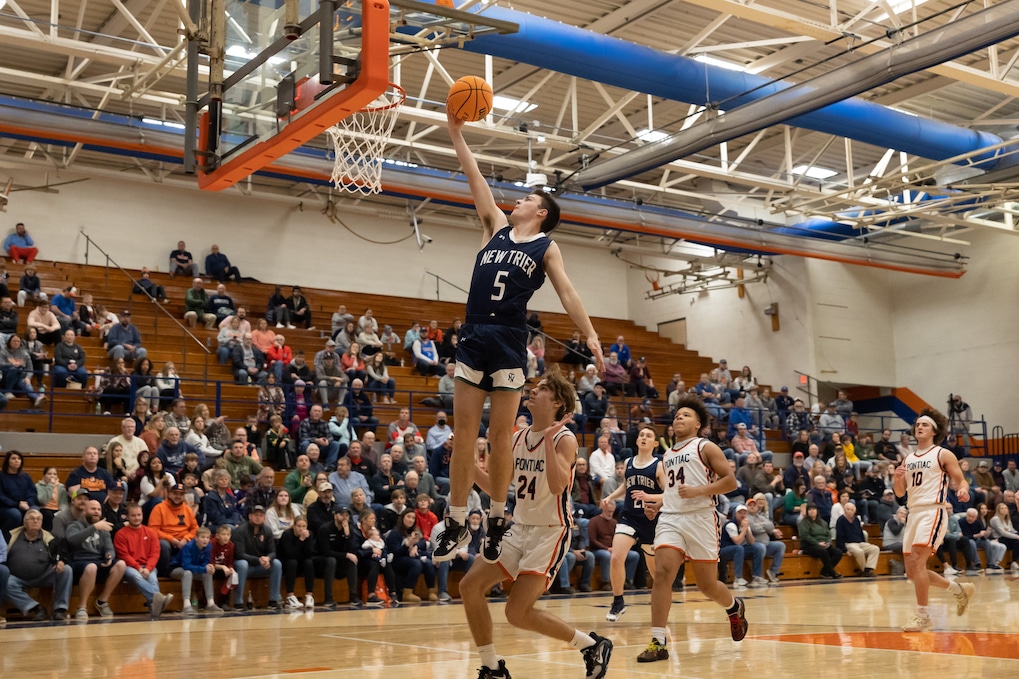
<point>556,46</point>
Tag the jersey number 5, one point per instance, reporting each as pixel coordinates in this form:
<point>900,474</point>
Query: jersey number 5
<point>500,286</point>
<point>524,488</point>
<point>676,475</point>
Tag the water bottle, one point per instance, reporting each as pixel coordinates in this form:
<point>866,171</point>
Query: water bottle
<point>402,361</point>
<point>251,602</point>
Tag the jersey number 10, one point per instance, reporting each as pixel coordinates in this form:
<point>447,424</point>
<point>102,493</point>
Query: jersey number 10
<point>917,478</point>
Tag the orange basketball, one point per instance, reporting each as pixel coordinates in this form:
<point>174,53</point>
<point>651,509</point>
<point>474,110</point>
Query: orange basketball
<point>470,98</point>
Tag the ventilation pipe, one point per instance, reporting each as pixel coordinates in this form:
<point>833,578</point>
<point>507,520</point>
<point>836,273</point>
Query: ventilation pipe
<point>117,134</point>
<point>555,46</point>
<point>964,36</point>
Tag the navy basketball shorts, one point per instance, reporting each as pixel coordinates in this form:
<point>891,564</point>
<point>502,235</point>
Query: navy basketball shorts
<point>491,357</point>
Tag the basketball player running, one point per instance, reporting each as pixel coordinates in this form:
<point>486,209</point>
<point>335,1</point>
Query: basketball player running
<point>535,547</point>
<point>492,351</point>
<point>691,473</point>
<point>924,477</point>
<point>643,498</point>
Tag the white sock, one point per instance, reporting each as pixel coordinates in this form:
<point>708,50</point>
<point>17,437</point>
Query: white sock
<point>581,640</point>
<point>659,634</point>
<point>498,510</point>
<point>459,514</point>
<point>922,612</point>
<point>488,657</point>
<point>954,587</point>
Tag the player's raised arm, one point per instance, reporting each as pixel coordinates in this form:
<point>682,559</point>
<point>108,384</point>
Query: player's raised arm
<point>556,271</point>
<point>492,218</point>
<point>560,456</point>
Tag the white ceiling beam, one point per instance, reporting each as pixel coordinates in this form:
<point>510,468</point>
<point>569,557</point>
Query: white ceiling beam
<point>13,75</point>
<point>795,25</point>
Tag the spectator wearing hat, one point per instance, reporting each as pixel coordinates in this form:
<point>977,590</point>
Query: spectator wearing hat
<point>797,470</point>
<point>64,308</point>
<point>90,476</point>
<point>335,540</point>
<point>297,305</point>
<point>328,350</point>
<point>123,341</point>
<point>20,246</point>
<point>737,543</point>
<point>175,524</point>
<point>217,265</point>
<point>74,511</point>
<point>985,481</point>
<point>93,559</point>
<point>34,560</point>
<point>320,512</point>
<point>255,557</point>
<point>114,508</point>
<point>146,286</point>
<point>783,403</point>
<point>389,340</point>
<point>330,379</point>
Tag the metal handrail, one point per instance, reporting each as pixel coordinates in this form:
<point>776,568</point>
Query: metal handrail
<point>90,242</point>
<point>439,278</point>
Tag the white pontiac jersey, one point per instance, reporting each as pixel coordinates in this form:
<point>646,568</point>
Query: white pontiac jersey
<point>536,505</point>
<point>926,479</point>
<point>684,464</point>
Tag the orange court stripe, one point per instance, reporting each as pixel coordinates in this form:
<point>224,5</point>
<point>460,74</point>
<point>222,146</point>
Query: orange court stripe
<point>307,669</point>
<point>985,644</point>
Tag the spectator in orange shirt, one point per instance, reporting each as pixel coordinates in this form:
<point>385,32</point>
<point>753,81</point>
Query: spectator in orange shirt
<point>175,524</point>
<point>426,519</point>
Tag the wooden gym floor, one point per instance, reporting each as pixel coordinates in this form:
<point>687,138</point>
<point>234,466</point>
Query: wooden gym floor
<point>847,629</point>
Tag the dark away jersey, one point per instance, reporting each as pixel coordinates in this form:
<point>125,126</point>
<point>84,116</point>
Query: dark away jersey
<point>506,274</point>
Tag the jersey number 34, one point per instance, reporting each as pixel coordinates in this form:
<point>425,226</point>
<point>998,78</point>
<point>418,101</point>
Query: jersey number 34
<point>676,475</point>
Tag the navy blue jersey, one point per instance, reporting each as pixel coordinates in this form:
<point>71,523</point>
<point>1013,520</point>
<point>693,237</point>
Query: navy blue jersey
<point>644,479</point>
<point>506,274</point>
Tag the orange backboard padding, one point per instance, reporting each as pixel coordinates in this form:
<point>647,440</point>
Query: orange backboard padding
<point>323,114</point>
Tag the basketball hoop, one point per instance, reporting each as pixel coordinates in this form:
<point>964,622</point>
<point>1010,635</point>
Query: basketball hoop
<point>359,139</point>
<point>652,277</point>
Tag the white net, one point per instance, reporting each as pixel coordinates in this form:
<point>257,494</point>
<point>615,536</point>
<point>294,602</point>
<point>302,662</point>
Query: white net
<point>358,142</point>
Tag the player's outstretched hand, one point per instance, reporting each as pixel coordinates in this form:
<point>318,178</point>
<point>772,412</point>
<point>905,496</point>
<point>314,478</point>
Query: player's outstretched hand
<point>556,426</point>
<point>900,472</point>
<point>455,124</point>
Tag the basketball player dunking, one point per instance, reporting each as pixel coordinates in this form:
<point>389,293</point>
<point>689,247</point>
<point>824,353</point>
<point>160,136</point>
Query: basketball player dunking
<point>924,477</point>
<point>691,473</point>
<point>543,457</point>
<point>491,355</point>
